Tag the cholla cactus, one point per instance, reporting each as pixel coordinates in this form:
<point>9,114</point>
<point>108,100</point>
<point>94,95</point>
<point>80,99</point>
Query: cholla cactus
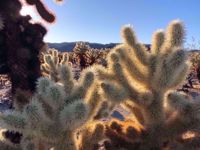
<point>143,82</point>
<point>87,56</point>
<point>56,111</point>
<point>80,54</point>
<point>81,47</point>
<point>21,42</point>
<point>51,62</point>
<point>98,56</point>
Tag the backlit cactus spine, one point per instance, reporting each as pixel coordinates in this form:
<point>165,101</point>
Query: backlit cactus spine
<point>144,81</point>
<point>56,111</point>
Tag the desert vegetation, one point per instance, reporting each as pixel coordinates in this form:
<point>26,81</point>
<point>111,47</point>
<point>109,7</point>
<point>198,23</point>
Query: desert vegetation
<point>54,108</point>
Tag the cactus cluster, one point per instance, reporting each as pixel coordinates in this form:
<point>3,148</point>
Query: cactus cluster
<point>63,113</point>
<point>81,57</point>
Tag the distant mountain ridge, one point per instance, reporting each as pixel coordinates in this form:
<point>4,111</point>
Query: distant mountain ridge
<point>68,46</point>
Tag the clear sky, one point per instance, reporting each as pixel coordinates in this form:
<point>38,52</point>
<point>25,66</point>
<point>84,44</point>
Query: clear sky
<point>101,20</point>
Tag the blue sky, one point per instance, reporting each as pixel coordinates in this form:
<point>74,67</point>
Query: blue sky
<point>101,20</point>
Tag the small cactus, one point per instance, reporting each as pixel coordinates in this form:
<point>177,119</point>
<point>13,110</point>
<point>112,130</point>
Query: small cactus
<point>51,62</point>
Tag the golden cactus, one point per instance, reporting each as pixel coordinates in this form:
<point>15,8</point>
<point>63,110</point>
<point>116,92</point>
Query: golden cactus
<point>144,82</point>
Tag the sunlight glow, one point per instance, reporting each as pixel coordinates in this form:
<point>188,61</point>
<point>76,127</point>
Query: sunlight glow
<point>27,10</point>
<point>30,10</point>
